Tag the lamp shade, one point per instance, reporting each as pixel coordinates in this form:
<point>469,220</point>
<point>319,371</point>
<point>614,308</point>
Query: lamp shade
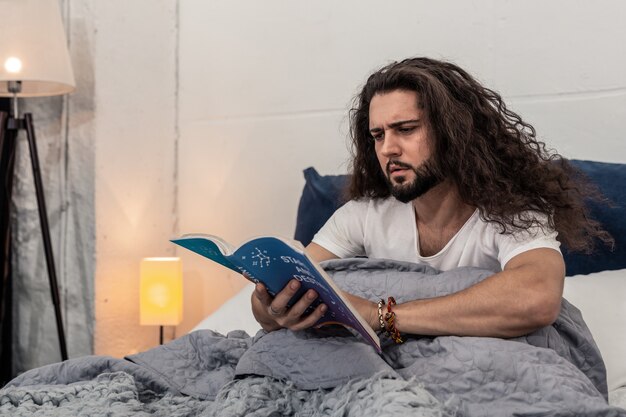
<point>161,292</point>
<point>33,49</point>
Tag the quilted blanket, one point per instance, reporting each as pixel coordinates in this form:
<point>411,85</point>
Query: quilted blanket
<point>555,371</point>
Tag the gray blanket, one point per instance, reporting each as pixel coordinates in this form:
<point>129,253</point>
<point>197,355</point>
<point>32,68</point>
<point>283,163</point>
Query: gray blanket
<point>555,371</point>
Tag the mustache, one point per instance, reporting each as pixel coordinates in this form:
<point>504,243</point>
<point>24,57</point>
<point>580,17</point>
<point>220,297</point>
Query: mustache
<point>398,164</point>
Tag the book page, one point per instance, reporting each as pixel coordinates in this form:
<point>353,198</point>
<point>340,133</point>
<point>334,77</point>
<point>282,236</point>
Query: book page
<point>224,247</point>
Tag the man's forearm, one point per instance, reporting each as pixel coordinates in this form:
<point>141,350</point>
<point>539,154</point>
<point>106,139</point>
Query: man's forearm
<point>508,304</point>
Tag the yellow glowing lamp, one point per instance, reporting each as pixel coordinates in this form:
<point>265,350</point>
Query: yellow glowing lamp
<point>161,292</point>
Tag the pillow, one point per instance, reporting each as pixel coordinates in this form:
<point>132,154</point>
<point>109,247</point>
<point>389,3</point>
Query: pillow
<point>234,314</point>
<point>611,180</point>
<point>322,195</point>
<point>601,299</point>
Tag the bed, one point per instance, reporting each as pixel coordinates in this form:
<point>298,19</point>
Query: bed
<point>226,366</point>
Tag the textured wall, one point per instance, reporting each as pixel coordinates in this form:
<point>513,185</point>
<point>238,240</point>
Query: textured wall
<point>64,128</point>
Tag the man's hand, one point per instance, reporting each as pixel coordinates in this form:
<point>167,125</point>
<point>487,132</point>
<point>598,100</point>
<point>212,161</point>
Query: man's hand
<point>273,314</point>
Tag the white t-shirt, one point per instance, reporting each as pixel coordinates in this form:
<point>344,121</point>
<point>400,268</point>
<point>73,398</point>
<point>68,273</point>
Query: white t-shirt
<point>386,228</point>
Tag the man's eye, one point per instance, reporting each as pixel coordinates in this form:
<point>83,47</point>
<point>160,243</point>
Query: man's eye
<point>407,129</point>
<point>378,137</point>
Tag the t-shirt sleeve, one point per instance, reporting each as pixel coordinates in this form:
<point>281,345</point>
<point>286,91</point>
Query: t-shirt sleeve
<point>511,245</point>
<point>343,233</point>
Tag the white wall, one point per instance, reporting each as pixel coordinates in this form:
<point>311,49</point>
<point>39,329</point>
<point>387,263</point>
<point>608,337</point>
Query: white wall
<point>207,112</point>
<point>135,71</point>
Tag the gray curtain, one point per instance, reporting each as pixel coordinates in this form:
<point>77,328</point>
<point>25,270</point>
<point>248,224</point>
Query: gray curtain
<point>64,127</point>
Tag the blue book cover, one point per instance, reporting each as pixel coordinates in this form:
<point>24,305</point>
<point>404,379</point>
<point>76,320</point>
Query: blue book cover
<point>274,261</point>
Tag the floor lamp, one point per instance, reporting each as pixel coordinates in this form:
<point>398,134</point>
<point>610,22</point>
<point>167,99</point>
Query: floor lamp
<point>34,62</point>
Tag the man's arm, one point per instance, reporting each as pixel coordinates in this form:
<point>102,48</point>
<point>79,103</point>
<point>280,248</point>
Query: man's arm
<point>525,296</point>
<point>318,253</point>
<point>264,307</point>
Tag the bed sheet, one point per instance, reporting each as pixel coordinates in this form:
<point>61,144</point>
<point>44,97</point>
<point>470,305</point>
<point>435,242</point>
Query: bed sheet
<point>556,370</point>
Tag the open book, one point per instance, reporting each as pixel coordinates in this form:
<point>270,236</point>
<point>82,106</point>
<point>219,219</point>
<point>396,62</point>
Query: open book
<point>274,261</point>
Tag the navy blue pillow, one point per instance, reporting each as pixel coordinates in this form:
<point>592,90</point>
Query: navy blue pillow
<point>611,180</point>
<point>323,194</point>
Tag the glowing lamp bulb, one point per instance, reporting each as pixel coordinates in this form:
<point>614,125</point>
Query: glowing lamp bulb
<point>158,295</point>
<point>13,65</point>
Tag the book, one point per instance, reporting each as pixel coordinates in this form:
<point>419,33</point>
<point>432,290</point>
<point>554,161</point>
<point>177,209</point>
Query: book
<point>274,261</point>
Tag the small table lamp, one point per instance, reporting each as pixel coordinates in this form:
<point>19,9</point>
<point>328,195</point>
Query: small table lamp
<point>161,293</point>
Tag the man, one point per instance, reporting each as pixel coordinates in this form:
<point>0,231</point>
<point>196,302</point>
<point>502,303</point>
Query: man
<point>444,174</point>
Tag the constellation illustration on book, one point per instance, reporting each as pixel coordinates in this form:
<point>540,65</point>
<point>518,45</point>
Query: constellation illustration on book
<point>260,258</point>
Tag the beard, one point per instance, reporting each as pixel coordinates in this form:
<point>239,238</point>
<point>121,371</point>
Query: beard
<point>424,181</point>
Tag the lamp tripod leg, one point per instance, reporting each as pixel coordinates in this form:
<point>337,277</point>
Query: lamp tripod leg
<point>45,229</point>
<point>7,165</point>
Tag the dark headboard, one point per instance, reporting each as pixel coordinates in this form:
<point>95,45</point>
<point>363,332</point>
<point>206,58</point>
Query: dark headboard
<point>323,194</point>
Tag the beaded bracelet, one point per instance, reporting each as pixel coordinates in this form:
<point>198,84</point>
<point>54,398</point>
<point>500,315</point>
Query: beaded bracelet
<point>381,321</point>
<point>390,320</point>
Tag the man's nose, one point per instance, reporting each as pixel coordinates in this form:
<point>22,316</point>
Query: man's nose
<point>390,145</point>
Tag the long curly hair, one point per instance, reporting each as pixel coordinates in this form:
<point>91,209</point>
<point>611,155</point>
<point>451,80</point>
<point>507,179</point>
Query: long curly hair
<point>490,154</point>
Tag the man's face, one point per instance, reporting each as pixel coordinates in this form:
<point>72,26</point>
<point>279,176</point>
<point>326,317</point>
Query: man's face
<point>402,140</point>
